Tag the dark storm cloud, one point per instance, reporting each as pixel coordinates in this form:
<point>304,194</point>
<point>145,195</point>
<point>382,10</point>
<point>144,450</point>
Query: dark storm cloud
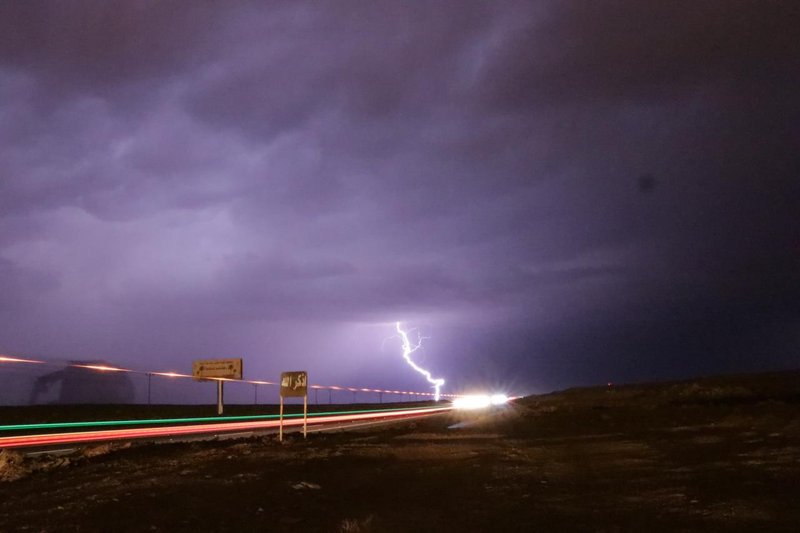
<point>631,52</point>
<point>89,46</point>
<point>280,180</point>
<point>370,62</point>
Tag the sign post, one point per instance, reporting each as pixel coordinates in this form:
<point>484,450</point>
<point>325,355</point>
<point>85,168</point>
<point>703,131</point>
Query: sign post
<point>294,384</point>
<point>219,370</point>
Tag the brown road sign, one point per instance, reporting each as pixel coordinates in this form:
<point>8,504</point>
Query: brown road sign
<point>294,384</point>
<point>217,368</point>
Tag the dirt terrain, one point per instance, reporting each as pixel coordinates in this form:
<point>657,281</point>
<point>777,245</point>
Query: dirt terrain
<point>714,454</point>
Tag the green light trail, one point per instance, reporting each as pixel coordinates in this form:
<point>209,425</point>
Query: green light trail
<point>106,423</point>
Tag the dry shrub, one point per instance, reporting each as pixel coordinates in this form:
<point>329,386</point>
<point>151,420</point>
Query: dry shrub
<point>94,451</point>
<point>12,465</point>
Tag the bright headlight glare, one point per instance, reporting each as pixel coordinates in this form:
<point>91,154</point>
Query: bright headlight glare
<point>498,399</point>
<point>479,401</point>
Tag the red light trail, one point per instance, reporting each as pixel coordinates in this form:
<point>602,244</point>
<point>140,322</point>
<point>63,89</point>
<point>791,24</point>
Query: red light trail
<point>51,439</point>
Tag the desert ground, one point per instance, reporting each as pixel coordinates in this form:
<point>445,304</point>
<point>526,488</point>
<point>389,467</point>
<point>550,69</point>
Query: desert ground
<point>716,454</point>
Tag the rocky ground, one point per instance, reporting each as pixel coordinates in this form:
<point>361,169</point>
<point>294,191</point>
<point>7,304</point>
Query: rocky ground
<point>717,454</point>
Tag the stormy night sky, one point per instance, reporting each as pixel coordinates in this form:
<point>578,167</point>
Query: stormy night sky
<point>554,193</point>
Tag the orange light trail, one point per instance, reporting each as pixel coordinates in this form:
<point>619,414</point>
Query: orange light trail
<point>22,441</point>
<point>102,368</point>
<point>107,368</point>
<point>6,359</point>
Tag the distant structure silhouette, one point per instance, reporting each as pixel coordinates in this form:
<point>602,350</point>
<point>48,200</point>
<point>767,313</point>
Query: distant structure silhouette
<point>83,385</point>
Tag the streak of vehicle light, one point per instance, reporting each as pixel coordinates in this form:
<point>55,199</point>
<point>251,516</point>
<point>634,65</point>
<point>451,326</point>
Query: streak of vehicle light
<point>154,421</point>
<point>137,433</point>
<point>107,368</point>
<point>60,451</point>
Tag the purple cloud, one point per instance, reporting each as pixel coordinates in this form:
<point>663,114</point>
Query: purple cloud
<point>284,181</point>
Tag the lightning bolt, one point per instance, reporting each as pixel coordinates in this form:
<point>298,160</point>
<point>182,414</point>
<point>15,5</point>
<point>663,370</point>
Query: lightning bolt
<point>408,349</point>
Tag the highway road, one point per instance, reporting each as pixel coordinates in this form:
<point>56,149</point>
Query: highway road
<point>316,422</point>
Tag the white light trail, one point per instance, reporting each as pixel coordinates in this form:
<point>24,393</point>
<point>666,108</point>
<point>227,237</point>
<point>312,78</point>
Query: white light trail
<point>101,368</point>
<point>408,349</point>
<point>6,359</point>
